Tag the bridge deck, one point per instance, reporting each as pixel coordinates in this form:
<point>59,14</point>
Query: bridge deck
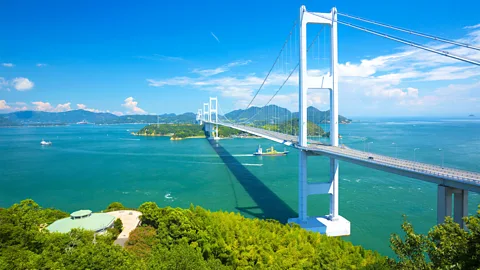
<point>440,175</point>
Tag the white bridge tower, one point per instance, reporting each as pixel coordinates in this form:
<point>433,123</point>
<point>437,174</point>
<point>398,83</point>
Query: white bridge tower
<point>200,117</point>
<point>332,224</point>
<point>210,117</point>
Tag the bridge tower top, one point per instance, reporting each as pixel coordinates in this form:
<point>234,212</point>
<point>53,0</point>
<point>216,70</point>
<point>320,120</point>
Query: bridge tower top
<point>329,82</point>
<point>206,112</point>
<point>213,106</point>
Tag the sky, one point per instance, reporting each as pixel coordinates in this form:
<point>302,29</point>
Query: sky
<point>151,57</point>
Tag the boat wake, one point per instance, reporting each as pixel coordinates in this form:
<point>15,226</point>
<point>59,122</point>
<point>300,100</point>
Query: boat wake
<point>168,197</point>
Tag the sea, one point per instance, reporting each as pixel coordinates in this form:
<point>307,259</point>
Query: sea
<point>90,166</point>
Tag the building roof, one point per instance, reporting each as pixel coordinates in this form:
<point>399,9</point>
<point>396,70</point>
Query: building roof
<point>82,219</point>
<point>80,213</point>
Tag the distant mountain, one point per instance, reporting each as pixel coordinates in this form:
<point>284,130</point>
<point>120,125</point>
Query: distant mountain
<point>35,117</point>
<point>275,113</point>
<point>266,115</point>
<point>71,117</point>
<point>256,114</point>
<point>316,116</point>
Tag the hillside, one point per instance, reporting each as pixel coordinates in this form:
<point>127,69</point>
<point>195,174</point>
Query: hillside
<point>173,238</point>
<point>74,116</point>
<point>291,127</point>
<point>278,114</point>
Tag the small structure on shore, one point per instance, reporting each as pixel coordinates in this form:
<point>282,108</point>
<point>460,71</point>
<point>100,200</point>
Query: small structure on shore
<point>83,219</point>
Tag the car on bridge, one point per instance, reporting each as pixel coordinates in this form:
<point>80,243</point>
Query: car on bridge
<point>371,158</point>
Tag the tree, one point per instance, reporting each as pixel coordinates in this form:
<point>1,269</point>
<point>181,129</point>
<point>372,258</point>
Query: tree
<point>115,206</point>
<point>118,224</point>
<point>446,246</point>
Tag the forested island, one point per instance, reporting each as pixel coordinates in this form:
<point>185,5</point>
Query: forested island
<point>195,238</point>
<point>183,131</point>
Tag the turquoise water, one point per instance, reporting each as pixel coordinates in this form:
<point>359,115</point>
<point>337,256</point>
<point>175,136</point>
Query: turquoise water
<point>87,167</point>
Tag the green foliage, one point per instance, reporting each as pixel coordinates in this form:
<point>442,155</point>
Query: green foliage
<point>141,241</point>
<point>446,246</point>
<point>26,244</point>
<point>175,130</point>
<point>174,238</point>
<point>291,127</point>
<point>118,224</point>
<point>115,206</point>
<point>225,132</point>
<point>116,230</point>
<point>239,242</point>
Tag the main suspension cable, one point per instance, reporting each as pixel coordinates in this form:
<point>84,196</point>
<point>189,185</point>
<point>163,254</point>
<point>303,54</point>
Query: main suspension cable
<point>410,43</point>
<point>275,62</point>
<point>289,75</point>
<point>412,32</point>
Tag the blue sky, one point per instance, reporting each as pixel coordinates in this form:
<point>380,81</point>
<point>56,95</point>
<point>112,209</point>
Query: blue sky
<point>170,56</point>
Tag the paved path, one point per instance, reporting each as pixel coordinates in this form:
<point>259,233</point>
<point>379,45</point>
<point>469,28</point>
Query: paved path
<point>130,220</point>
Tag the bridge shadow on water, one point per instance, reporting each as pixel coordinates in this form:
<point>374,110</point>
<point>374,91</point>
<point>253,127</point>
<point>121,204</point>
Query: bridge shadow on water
<point>271,206</point>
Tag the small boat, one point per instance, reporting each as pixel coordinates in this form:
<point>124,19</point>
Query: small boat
<point>43,142</point>
<point>270,152</point>
<point>83,122</point>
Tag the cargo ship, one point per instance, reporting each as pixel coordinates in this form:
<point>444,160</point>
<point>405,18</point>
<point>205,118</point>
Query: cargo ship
<point>270,152</point>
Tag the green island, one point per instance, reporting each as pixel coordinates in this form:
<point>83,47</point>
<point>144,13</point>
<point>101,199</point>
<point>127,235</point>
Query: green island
<point>183,131</point>
<point>195,238</point>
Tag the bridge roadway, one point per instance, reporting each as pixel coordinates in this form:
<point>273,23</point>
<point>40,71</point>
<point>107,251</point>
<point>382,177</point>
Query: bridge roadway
<point>427,172</point>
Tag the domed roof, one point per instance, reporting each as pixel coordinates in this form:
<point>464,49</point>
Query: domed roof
<point>81,213</point>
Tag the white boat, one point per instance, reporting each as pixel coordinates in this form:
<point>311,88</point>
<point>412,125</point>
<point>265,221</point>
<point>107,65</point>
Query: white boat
<point>83,122</point>
<point>43,142</point>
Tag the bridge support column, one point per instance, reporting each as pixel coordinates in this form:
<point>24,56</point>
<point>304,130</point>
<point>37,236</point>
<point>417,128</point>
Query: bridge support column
<point>332,224</point>
<point>302,187</point>
<point>444,204</point>
<point>460,206</point>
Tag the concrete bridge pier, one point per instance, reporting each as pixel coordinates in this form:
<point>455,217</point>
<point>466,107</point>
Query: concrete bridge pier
<point>444,204</point>
<point>212,131</point>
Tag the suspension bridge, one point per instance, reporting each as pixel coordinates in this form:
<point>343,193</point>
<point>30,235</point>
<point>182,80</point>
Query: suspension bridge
<point>452,183</point>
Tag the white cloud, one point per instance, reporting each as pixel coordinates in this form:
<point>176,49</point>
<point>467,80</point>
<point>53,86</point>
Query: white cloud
<point>84,107</point>
<point>472,26</point>
<point>221,69</point>
<point>4,105</point>
<point>215,37</point>
<point>397,82</point>
<point>117,113</point>
<point>42,106</point>
<point>22,84</point>
<point>8,65</point>
<point>3,83</point>
<point>63,107</point>
<point>209,72</point>
<point>132,106</point>
<point>160,57</point>
<point>21,108</point>
<point>41,65</point>
<point>47,107</point>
